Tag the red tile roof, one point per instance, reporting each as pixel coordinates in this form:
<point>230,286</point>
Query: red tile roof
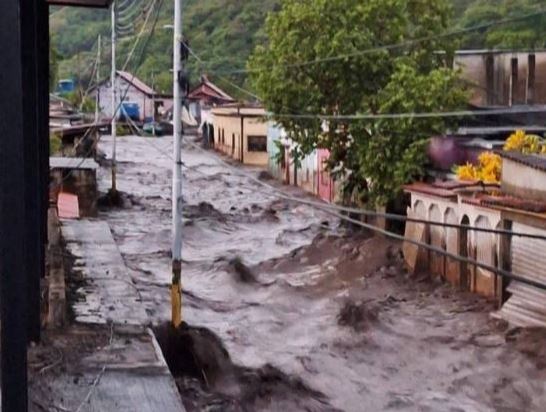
<point>207,89</point>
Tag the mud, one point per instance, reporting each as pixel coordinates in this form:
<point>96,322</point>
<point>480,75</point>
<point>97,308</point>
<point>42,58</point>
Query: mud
<point>209,380</point>
<point>308,315</point>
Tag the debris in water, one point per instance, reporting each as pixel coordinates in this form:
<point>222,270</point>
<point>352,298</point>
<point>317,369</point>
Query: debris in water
<point>208,380</point>
<point>359,316</point>
<point>243,272</point>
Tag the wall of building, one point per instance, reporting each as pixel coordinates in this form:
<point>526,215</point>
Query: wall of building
<point>79,182</point>
<point>232,128</point>
<point>479,246</point>
<point>254,127</point>
<point>134,95</point>
<point>523,181</point>
<point>490,77</point>
<point>325,183</point>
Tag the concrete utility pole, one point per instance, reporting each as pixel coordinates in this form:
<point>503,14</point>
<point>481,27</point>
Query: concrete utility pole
<point>176,287</point>
<point>97,97</point>
<point>114,98</point>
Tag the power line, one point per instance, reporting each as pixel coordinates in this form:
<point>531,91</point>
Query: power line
<point>117,108</point>
<point>322,207</point>
<point>344,209</point>
<point>413,115</point>
<point>395,46</point>
<point>200,60</point>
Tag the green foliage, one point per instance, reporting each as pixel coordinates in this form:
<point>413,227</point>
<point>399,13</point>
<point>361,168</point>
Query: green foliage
<point>222,32</point>
<point>54,144</point>
<point>78,99</point>
<point>364,83</point>
<point>53,66</point>
<point>521,34</point>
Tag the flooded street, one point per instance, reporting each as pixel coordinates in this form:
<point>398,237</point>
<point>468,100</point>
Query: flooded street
<point>300,313</point>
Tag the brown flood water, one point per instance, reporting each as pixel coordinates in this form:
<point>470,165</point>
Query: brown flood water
<point>289,311</point>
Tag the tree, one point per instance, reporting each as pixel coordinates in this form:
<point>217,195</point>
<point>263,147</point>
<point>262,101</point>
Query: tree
<point>527,33</point>
<point>372,158</point>
<point>53,66</point>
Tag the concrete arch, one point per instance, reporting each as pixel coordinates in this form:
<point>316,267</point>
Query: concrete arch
<point>420,209</point>
<point>453,267</point>
<point>465,250</point>
<point>437,239</point>
<point>485,243</point>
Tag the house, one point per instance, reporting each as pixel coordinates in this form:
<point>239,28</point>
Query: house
<point>519,205</point>
<point>310,173</point>
<point>149,102</point>
<point>504,78</point>
<point>512,81</point>
<point>204,97</point>
<point>240,131</point>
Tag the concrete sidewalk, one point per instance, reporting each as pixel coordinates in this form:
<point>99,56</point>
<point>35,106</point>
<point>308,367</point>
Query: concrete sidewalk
<point>126,370</point>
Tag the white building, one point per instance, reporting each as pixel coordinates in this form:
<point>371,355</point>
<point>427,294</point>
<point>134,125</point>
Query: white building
<point>150,103</point>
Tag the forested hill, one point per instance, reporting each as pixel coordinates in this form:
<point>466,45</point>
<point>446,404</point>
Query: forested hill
<point>224,32</point>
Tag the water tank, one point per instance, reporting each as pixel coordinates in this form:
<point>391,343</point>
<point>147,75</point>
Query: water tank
<point>131,110</point>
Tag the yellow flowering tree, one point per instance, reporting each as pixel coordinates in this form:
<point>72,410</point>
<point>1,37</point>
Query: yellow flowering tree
<point>488,170</point>
<point>525,143</point>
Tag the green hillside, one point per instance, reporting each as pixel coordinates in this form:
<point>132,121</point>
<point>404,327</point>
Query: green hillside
<point>221,32</point>
<point>224,33</point>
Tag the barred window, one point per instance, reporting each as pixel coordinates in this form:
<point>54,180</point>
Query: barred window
<point>257,143</point>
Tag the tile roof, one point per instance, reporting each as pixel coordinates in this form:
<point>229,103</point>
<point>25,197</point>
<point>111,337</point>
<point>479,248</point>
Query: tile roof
<point>209,89</point>
<point>534,161</point>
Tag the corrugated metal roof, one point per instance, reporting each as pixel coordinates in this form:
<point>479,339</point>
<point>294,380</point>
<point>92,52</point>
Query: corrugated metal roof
<point>139,84</point>
<point>527,305</point>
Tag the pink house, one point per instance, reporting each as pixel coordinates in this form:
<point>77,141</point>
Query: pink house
<point>326,185</point>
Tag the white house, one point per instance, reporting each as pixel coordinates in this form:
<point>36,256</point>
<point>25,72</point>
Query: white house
<point>150,103</point>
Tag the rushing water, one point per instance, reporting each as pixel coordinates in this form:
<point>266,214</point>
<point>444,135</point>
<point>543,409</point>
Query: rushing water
<point>291,312</point>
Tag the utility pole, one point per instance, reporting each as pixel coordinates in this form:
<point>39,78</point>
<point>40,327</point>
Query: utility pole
<point>114,99</point>
<point>97,98</point>
<point>153,103</point>
<point>176,287</point>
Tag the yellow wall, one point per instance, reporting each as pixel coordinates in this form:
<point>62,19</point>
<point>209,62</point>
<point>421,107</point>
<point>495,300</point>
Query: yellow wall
<point>227,122</point>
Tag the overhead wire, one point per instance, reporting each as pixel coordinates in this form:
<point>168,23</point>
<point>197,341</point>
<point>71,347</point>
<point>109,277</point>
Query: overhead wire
<point>322,207</point>
<point>117,108</point>
<point>225,79</point>
<point>404,44</point>
<point>371,213</point>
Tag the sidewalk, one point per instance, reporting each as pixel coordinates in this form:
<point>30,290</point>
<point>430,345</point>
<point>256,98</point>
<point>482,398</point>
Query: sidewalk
<point>108,359</point>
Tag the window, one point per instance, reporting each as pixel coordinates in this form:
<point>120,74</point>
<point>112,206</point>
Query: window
<point>257,143</point>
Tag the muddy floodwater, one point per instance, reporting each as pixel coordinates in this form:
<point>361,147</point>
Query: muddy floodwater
<point>288,310</point>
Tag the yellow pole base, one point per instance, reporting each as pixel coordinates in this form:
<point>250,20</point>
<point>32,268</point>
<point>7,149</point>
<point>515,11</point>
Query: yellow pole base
<point>176,304</point>
<point>176,294</point>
